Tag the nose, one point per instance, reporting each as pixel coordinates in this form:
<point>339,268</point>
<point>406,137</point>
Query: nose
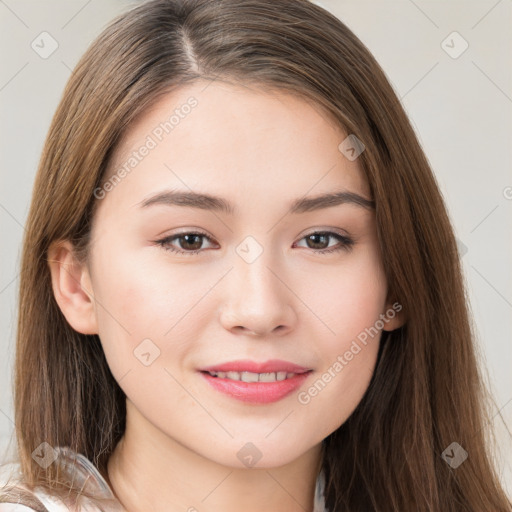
<point>258,300</point>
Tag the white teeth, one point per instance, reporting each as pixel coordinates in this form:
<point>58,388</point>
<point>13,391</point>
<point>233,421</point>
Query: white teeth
<point>253,377</point>
<point>249,377</point>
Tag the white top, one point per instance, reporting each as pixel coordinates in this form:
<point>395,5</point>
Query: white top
<point>86,474</point>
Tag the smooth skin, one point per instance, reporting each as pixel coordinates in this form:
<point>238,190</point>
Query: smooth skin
<point>259,150</point>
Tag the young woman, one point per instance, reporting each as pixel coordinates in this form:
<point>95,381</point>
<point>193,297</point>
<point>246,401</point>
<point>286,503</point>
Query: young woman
<point>240,288</point>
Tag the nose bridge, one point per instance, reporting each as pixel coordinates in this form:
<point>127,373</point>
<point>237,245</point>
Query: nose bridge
<point>257,298</point>
<point>253,263</point>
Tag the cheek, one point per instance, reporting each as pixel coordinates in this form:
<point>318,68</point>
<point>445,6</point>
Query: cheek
<point>352,304</point>
<point>143,293</point>
<point>348,297</point>
<point>337,388</point>
<point>141,297</point>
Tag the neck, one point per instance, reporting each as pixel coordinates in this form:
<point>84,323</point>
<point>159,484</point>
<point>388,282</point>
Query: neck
<point>150,471</point>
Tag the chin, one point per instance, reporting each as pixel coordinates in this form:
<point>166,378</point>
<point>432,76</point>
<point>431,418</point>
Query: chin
<point>259,453</point>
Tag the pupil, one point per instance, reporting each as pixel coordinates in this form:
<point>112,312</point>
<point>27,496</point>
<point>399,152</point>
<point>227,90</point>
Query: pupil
<point>311,237</point>
<point>197,245</point>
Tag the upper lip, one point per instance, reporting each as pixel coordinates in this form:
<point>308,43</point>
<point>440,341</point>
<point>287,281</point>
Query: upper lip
<point>274,365</point>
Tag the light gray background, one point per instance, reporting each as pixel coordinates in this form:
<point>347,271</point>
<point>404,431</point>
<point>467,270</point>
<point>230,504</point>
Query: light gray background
<point>460,108</point>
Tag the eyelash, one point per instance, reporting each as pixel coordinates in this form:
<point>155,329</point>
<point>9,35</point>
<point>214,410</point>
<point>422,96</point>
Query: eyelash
<point>346,242</point>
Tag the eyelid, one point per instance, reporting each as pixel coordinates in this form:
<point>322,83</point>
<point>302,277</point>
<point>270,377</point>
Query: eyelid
<point>336,231</point>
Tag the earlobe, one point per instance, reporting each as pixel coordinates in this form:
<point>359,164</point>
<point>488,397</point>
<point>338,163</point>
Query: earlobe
<point>394,316</point>
<point>72,288</point>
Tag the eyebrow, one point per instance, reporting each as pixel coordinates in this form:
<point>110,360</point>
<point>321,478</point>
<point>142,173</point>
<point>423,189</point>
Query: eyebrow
<point>219,204</point>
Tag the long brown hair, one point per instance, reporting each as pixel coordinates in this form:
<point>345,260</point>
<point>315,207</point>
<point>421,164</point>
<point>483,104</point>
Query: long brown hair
<point>426,391</point>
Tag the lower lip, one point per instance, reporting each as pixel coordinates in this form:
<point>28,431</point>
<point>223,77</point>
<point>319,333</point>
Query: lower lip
<point>256,392</point>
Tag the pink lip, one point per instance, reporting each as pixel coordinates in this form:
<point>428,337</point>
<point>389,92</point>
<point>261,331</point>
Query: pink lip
<point>274,365</point>
<point>257,392</point>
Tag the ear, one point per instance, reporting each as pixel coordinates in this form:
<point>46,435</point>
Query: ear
<point>72,288</point>
<point>393,316</point>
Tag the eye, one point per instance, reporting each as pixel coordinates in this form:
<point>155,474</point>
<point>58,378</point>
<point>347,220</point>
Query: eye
<point>316,238</point>
<point>188,240</point>
<point>190,243</point>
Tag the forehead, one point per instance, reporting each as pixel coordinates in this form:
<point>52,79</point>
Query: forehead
<point>223,137</point>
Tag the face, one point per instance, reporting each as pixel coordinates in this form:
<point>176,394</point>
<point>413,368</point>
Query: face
<point>185,284</point>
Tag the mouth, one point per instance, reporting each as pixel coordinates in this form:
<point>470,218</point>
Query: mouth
<point>256,383</point>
